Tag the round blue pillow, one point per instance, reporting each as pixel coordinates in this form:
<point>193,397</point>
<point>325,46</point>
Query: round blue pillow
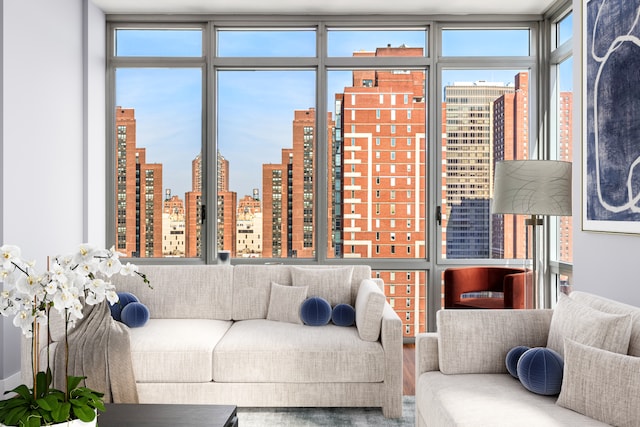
<point>540,371</point>
<point>135,314</point>
<point>343,315</point>
<point>512,359</point>
<point>315,311</point>
<point>124,298</point>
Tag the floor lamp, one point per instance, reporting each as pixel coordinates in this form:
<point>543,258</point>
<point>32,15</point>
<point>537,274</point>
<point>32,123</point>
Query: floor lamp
<point>536,188</point>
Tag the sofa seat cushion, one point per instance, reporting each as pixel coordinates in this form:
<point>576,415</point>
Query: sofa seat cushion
<point>264,351</point>
<point>176,350</point>
<point>489,400</point>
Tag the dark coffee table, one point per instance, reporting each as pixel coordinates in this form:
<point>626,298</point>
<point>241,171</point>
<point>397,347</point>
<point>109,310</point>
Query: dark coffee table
<point>165,415</point>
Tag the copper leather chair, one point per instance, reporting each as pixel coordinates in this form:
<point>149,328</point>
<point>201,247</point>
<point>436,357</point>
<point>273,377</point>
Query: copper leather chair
<point>488,287</point>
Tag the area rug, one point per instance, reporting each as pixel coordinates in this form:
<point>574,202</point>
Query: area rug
<point>309,417</point>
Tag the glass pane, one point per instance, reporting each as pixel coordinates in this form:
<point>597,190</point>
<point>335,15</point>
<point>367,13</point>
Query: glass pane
<point>378,170</point>
<point>158,142</point>
<point>565,29</point>
<point>485,119</point>
<point>173,43</point>
<point>406,293</point>
<point>267,142</point>
<point>345,42</point>
<point>565,150</point>
<point>478,42</point>
<point>266,43</point>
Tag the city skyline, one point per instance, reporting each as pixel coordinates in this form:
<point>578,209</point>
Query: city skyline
<point>265,98</point>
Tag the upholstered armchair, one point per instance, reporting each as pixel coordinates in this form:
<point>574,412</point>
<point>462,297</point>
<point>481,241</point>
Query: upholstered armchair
<point>488,287</point>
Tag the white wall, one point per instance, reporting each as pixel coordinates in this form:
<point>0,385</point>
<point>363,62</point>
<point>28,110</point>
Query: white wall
<point>604,264</point>
<point>49,145</point>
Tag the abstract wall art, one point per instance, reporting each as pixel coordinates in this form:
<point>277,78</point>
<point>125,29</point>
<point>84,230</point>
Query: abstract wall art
<point>611,101</point>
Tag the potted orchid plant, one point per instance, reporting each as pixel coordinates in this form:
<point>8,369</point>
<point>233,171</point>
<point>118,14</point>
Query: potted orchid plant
<point>70,283</point>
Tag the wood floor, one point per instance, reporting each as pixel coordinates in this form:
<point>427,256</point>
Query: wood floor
<point>409,370</point>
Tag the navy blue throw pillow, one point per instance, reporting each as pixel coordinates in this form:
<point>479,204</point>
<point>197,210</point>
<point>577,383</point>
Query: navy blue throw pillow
<point>315,311</point>
<point>343,315</point>
<point>512,359</point>
<point>540,371</point>
<point>124,299</point>
<point>135,314</point>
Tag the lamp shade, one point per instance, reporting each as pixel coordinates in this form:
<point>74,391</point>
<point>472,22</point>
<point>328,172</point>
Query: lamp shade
<point>534,187</point>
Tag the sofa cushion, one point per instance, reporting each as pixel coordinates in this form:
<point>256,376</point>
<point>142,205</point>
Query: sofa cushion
<point>477,341</point>
<point>601,384</point>
<point>263,351</point>
<point>586,325</point>
<point>252,289</point>
<point>496,400</point>
<point>614,307</point>
<point>176,350</point>
<point>206,288</point>
<point>285,302</point>
<point>315,311</point>
<point>369,307</point>
<point>331,284</point>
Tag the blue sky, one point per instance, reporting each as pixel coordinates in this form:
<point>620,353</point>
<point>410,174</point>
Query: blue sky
<point>255,108</point>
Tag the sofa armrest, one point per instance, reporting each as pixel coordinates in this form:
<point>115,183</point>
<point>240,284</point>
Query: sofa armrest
<point>426,353</point>
<point>391,340</point>
<point>477,341</point>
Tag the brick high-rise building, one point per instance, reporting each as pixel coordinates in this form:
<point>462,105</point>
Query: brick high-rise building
<point>288,193</point>
<point>138,193</point>
<point>510,142</point>
<point>226,209</point>
<point>193,211</point>
<point>380,179</point>
<point>565,153</point>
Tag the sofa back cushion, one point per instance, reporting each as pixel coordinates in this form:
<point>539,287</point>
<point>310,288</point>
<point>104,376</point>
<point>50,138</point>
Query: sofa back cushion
<point>252,286</point>
<point>182,291</point>
<point>614,307</point>
<point>252,289</point>
<point>589,326</point>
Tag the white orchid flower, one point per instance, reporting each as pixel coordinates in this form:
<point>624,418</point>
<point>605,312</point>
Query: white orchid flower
<point>112,296</point>
<point>8,253</point>
<point>64,299</point>
<point>110,266</point>
<point>86,253</point>
<point>129,269</point>
<point>24,320</point>
<point>75,312</point>
<point>29,285</point>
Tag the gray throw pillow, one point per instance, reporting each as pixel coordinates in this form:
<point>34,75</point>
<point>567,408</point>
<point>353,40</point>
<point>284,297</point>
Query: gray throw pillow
<point>284,303</point>
<point>601,384</point>
<point>332,284</point>
<point>588,326</point>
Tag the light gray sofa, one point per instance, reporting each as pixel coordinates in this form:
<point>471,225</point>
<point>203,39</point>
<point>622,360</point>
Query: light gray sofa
<point>462,380</point>
<point>211,338</point>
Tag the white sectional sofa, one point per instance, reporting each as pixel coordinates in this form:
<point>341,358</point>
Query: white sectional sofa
<point>462,380</point>
<point>212,338</point>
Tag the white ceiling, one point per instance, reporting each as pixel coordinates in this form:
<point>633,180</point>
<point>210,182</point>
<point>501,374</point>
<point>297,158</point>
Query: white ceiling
<point>326,7</point>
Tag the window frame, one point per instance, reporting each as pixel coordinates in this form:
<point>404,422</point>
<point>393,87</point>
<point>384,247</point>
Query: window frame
<point>432,62</point>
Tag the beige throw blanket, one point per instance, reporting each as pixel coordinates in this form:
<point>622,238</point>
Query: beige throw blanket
<point>99,349</point>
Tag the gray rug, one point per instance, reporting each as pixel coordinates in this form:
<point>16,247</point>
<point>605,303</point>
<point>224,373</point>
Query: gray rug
<point>309,417</point>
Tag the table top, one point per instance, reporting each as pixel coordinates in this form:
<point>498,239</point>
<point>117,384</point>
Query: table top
<point>167,415</point>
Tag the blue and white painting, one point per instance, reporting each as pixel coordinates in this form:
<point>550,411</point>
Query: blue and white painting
<point>611,50</point>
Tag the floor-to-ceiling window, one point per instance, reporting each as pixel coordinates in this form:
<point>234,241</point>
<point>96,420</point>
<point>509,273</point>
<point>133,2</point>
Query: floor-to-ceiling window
<point>352,140</point>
